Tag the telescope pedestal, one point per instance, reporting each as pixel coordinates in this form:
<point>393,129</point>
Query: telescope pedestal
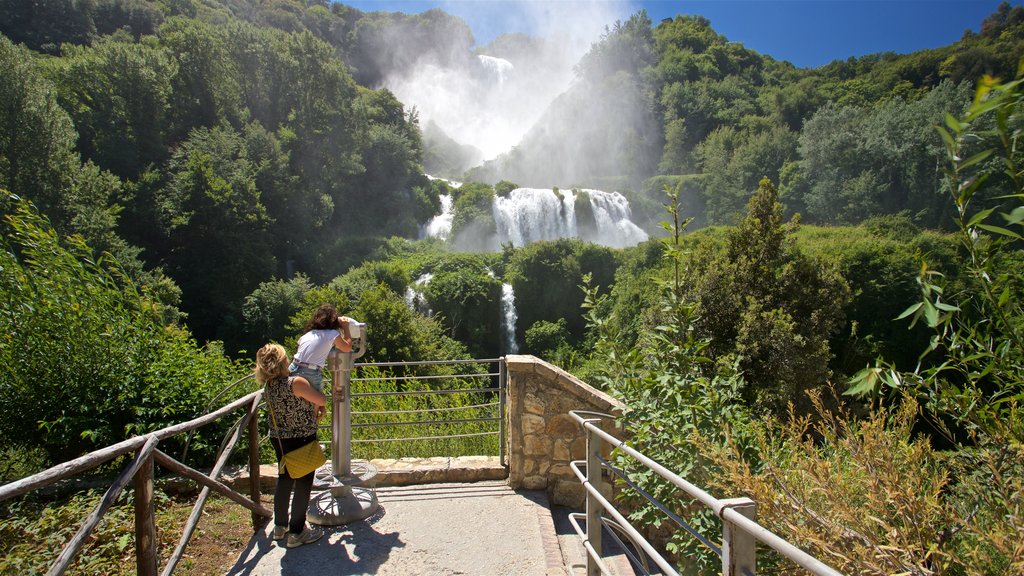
<point>341,500</point>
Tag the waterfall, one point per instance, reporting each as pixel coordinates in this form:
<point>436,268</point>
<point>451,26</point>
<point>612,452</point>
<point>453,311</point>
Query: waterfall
<point>439,226</point>
<point>532,214</point>
<point>498,68</point>
<point>509,317</point>
<point>614,226</point>
<point>414,297</point>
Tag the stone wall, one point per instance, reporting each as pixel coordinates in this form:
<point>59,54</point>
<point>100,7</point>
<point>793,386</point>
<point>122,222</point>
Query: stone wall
<point>542,438</point>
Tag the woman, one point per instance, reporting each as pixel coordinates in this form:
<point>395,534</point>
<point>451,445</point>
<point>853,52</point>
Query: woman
<point>295,407</point>
<point>325,330</point>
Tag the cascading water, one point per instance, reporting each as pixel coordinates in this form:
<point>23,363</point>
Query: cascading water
<point>439,226</point>
<point>415,299</point>
<point>497,68</point>
<point>614,226</point>
<point>509,317</point>
<point>532,214</point>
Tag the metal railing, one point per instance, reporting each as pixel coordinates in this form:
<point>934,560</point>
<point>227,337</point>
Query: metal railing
<point>493,391</point>
<point>740,530</point>
<point>141,471</point>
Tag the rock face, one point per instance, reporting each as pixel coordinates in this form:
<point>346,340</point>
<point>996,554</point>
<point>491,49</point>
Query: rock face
<point>542,437</point>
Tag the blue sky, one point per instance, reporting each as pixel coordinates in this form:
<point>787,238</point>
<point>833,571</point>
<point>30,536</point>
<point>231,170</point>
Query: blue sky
<point>808,33</point>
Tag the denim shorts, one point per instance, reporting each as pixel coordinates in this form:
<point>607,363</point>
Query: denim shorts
<point>315,376</point>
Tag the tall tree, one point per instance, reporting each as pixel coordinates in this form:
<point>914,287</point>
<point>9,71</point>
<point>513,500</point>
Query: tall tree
<point>764,301</point>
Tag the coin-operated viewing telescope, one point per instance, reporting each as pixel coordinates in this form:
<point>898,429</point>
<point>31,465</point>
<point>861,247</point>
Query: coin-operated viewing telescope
<point>345,497</point>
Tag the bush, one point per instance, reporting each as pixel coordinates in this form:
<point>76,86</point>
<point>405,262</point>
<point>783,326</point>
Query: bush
<point>87,359</point>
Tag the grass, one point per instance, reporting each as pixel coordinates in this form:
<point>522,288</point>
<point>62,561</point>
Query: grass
<point>33,532</point>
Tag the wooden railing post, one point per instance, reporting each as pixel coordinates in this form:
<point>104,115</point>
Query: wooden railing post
<point>258,521</point>
<point>739,549</point>
<point>145,520</point>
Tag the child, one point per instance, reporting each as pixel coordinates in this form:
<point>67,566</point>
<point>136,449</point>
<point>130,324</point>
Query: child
<point>324,331</point>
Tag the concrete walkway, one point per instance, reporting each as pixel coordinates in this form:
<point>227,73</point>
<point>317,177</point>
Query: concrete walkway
<point>482,529</point>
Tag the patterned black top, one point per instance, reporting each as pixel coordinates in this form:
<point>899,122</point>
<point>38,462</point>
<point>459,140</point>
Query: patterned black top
<point>295,417</point>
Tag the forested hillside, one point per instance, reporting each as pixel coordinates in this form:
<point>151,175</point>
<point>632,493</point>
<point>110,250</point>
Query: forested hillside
<point>677,100</point>
<point>213,146</point>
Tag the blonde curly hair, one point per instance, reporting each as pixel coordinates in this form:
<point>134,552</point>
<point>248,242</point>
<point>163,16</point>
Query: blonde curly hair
<point>271,362</point>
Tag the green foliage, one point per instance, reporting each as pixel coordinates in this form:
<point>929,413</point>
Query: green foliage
<point>467,300</point>
<point>673,392</point>
<point>972,391</point>
<point>267,310</point>
<point>765,300</point>
<point>504,187</point>
<point>472,220</point>
<point>87,359</point>
<point>546,277</point>
<point>544,339</point>
<point>397,441</point>
<point>866,161</point>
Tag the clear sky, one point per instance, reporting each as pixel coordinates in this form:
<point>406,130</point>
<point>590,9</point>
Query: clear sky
<point>808,33</point>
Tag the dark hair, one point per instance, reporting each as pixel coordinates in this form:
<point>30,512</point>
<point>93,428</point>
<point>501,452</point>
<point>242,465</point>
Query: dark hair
<point>324,318</point>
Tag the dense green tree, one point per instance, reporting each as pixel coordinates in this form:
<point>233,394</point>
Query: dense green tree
<point>87,359</point>
<point>546,277</point>
<point>735,161</point>
<point>37,137</point>
<point>765,301</point>
<point>466,298</point>
<point>206,86</point>
<point>38,163</point>
<point>216,227</point>
<point>267,310</point>
<point>118,94</point>
<point>46,24</point>
<point>861,162</point>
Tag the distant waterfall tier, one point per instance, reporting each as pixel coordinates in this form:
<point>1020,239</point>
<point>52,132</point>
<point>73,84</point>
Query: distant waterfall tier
<point>509,318</point>
<point>439,226</point>
<point>498,69</point>
<point>532,214</point>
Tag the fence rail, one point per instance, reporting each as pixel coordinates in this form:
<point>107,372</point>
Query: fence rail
<point>141,471</point>
<point>498,378</point>
<point>740,530</point>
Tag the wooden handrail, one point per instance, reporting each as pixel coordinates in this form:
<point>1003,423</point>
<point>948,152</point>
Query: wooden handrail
<point>75,545</point>
<point>94,459</point>
<point>141,470</point>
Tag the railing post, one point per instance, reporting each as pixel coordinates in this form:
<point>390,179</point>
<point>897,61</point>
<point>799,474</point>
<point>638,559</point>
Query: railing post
<point>254,461</point>
<point>502,399</point>
<point>145,520</point>
<point>595,477</point>
<point>739,549</point>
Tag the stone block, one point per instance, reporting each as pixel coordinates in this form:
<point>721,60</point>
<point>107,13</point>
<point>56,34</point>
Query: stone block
<point>568,493</point>
<point>535,482</point>
<point>533,424</point>
<point>563,426</point>
<point>534,405</point>
<point>578,449</point>
<point>536,445</point>
<point>561,451</point>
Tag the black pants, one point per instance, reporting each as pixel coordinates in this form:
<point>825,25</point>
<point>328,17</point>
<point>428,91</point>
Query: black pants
<point>285,483</point>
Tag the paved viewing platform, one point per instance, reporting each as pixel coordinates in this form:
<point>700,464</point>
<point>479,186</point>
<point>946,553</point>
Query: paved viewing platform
<point>474,527</point>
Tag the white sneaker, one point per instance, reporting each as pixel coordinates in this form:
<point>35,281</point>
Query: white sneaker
<point>307,536</point>
<point>280,532</point>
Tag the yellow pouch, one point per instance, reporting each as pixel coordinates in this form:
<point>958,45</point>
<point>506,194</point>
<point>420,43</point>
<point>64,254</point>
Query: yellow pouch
<point>302,461</point>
